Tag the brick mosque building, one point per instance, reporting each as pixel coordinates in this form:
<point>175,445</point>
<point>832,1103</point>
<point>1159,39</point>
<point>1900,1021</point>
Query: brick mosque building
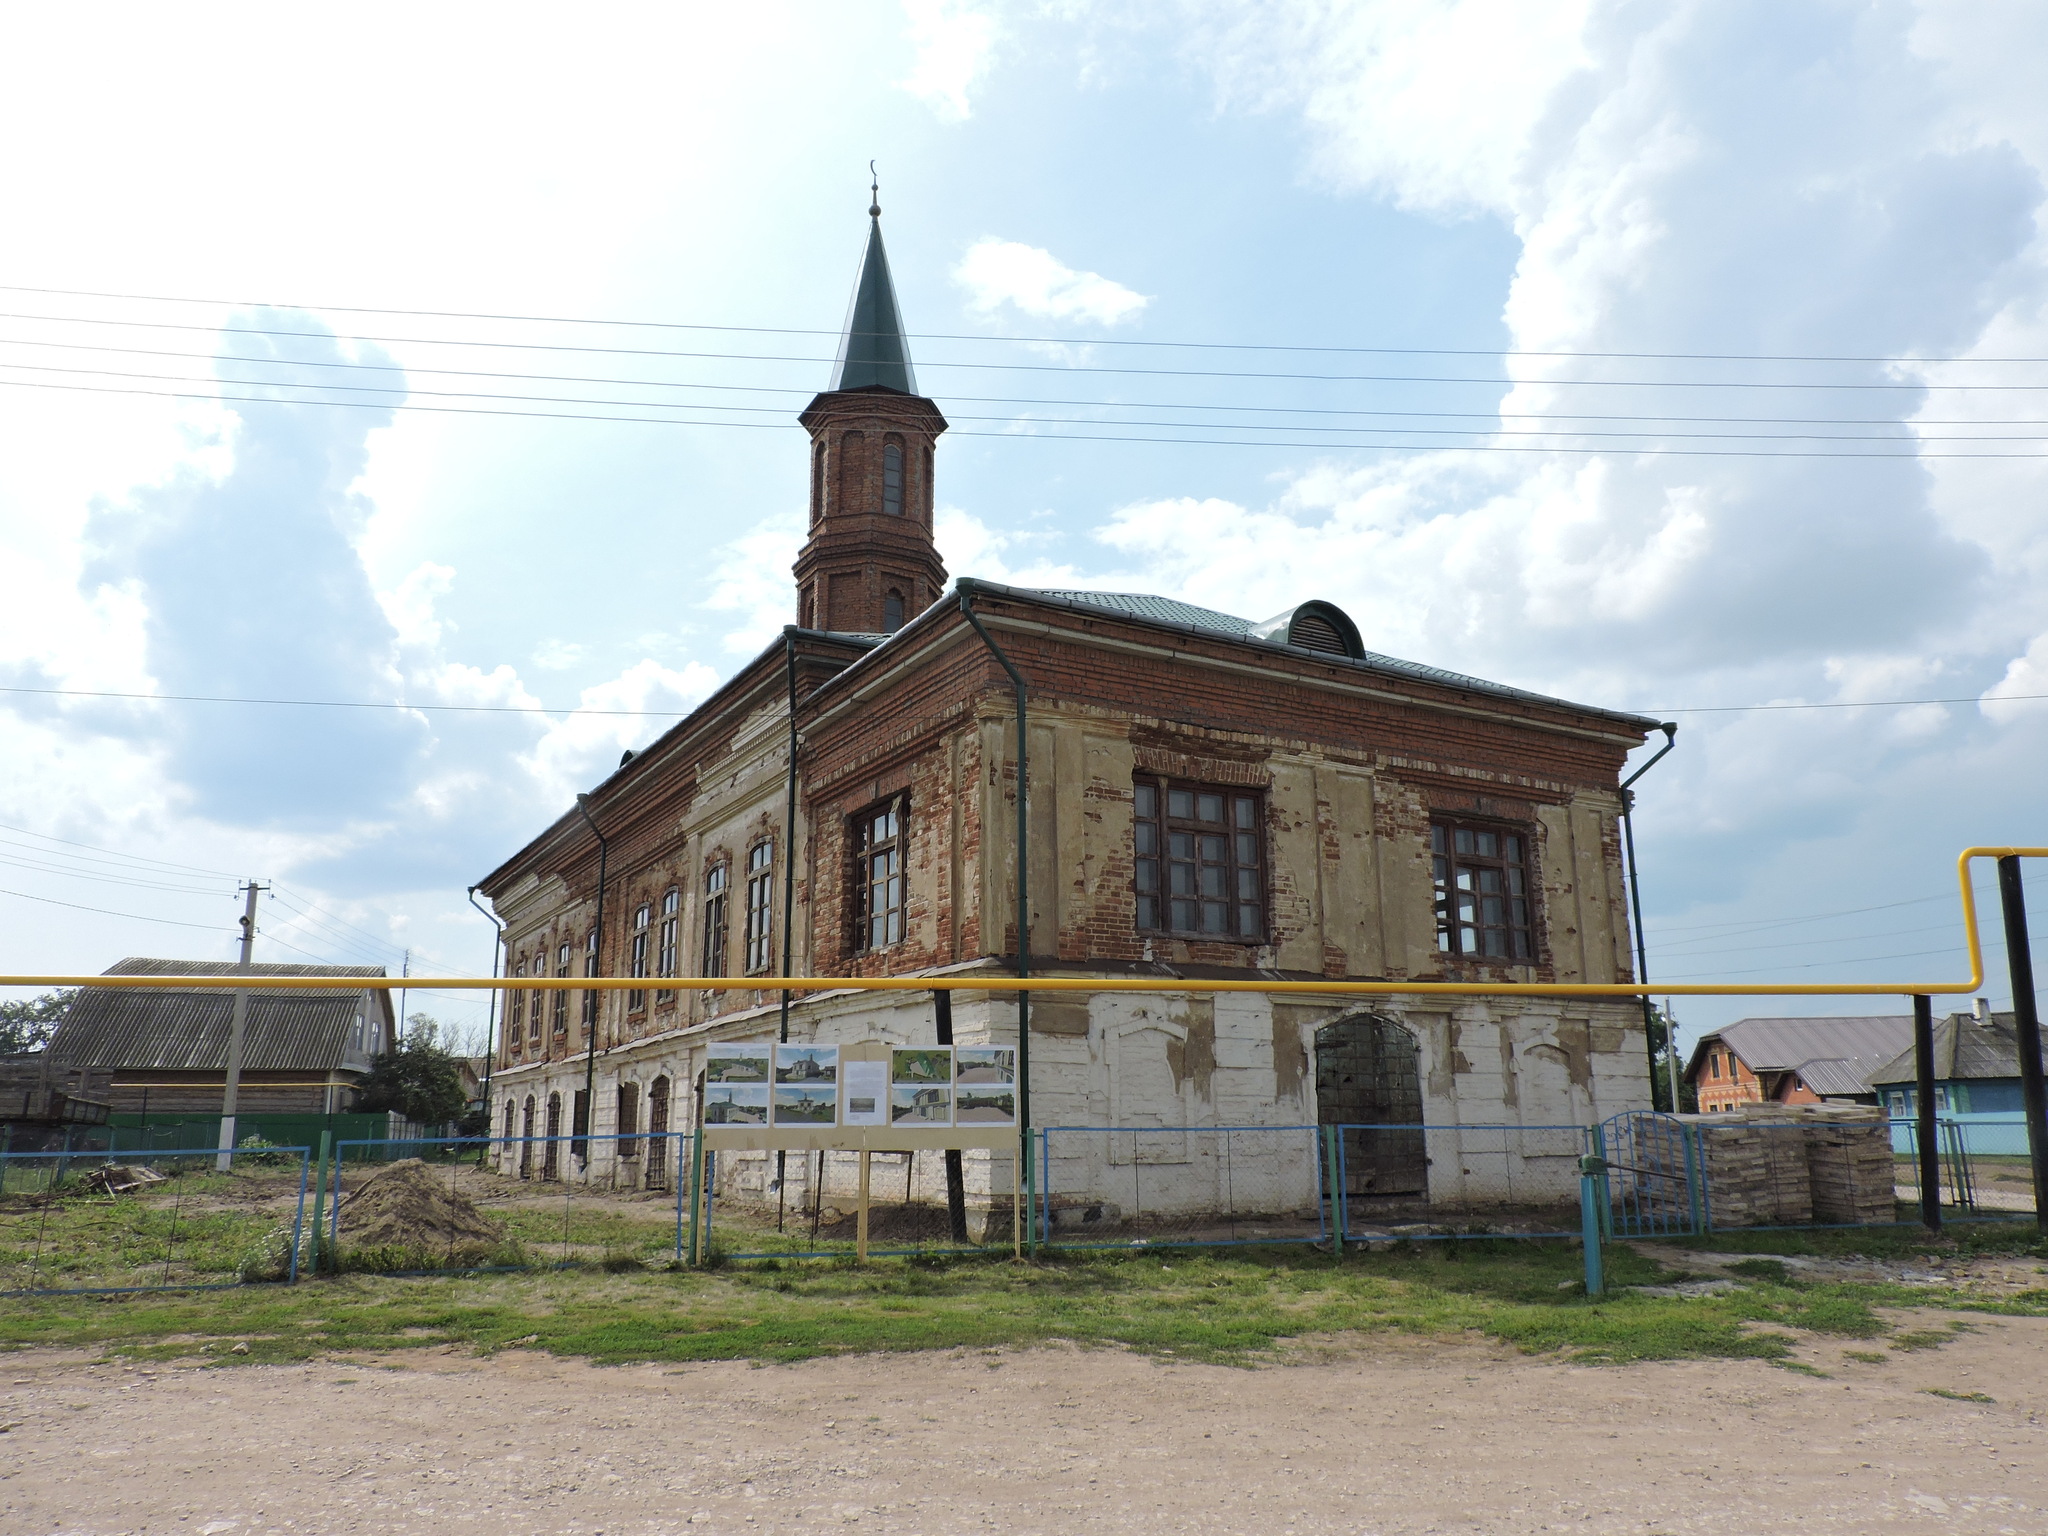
<point>1207,797</point>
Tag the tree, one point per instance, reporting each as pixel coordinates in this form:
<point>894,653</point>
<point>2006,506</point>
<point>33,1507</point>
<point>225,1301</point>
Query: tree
<point>416,1078</point>
<point>26,1024</point>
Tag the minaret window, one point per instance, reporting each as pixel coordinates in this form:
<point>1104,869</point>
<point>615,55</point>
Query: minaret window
<point>892,482</point>
<point>892,612</point>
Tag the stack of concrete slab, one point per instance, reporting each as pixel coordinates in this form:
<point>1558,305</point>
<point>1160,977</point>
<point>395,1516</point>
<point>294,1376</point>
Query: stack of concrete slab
<point>1789,1165</point>
<point>1849,1163</point>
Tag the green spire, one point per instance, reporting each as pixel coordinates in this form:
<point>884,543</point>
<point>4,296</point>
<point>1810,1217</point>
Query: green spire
<point>873,350</point>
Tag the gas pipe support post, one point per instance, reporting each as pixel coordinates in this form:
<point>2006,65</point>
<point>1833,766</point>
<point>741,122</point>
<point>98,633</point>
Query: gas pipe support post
<point>1925,1132</point>
<point>2019,959</point>
<point>1592,1174</point>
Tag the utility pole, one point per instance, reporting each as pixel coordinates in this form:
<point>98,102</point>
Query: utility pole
<point>238,1025</point>
<point>404,970</point>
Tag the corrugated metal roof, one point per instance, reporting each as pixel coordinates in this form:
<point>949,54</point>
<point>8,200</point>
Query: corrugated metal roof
<point>1857,1045</point>
<point>1964,1047</point>
<point>187,1031</point>
<point>1833,1078</point>
<point>1168,610</point>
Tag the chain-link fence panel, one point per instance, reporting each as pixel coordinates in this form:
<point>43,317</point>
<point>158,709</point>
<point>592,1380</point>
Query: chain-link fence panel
<point>460,1204</point>
<point>151,1219</point>
<point>1438,1181</point>
<point>1102,1186</point>
<point>764,1204</point>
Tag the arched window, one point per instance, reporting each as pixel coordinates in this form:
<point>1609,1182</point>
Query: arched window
<point>817,481</point>
<point>551,1149</point>
<point>892,612</point>
<point>526,1140</point>
<point>657,1134</point>
<point>629,1119</point>
<point>892,478</point>
<point>852,463</point>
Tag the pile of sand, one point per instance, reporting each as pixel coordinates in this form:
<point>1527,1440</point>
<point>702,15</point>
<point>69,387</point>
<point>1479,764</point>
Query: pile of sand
<point>412,1207</point>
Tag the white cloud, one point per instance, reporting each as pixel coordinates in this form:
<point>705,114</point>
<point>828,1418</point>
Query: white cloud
<point>954,40</point>
<point>2023,690</point>
<point>410,605</point>
<point>1035,282</point>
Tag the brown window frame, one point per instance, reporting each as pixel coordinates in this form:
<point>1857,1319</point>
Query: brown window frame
<point>760,932</point>
<point>515,1009</point>
<point>892,476</point>
<point>666,947</point>
<point>560,1011</point>
<point>590,994</point>
<point>636,964</point>
<point>1171,834</point>
<point>1460,845</point>
<point>534,1004</point>
<point>868,845</point>
<point>717,895</point>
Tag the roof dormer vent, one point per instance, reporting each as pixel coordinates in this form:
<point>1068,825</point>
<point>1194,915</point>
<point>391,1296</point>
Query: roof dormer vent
<point>1314,626</point>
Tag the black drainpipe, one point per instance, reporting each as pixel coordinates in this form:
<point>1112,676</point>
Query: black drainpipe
<point>966,589</point>
<point>788,896</point>
<point>597,968</point>
<point>1635,896</point>
<point>490,1024</point>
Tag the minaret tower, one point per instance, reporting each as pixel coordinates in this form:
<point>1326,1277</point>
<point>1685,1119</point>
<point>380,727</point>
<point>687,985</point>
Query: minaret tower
<point>869,565</point>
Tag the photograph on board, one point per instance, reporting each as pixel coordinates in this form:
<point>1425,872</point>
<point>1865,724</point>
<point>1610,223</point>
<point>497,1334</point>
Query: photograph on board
<point>984,1064</point>
<point>736,1063</point>
<point>735,1103</point>
<point>986,1106</point>
<point>864,1093</point>
<point>807,1064</point>
<point>806,1104</point>
<point>921,1066</point>
<point>912,1105</point>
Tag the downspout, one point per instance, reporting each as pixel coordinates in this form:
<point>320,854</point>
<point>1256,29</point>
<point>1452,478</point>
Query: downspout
<point>789,835</point>
<point>1635,896</point>
<point>788,902</point>
<point>597,965</point>
<point>491,1022</point>
<point>966,591</point>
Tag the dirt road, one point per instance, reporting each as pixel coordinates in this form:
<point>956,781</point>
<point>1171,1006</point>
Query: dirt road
<point>1386,1438</point>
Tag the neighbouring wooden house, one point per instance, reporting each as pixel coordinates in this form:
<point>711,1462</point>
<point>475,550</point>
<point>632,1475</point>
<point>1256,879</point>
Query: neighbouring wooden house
<point>165,1051</point>
<point>1976,1080</point>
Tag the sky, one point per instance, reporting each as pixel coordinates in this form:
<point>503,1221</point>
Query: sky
<point>1682,358</point>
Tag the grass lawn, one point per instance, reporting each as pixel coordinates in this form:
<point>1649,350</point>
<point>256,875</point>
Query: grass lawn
<point>1240,1306</point>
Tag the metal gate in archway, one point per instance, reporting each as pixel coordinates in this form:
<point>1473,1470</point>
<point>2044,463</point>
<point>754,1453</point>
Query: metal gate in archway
<point>1653,1175</point>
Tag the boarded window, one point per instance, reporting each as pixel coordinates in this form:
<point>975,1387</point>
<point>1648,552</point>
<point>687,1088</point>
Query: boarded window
<point>1369,1084</point>
<point>629,1120</point>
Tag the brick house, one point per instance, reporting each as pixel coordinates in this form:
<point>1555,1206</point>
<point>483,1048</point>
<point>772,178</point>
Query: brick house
<point>1207,797</point>
<point>1795,1061</point>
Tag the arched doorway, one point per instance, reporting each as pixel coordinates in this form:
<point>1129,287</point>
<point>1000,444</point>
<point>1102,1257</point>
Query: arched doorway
<point>551,1149</point>
<point>1369,1082</point>
<point>657,1134</point>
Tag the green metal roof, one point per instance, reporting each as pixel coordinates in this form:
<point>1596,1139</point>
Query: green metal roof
<point>873,351</point>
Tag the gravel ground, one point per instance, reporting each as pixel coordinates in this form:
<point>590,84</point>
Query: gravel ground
<point>1385,1437</point>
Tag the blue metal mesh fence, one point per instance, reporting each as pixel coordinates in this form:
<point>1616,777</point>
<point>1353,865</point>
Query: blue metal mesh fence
<point>151,1220</point>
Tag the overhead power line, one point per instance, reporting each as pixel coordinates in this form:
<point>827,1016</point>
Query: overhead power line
<point>1904,432</point>
<point>115,853</point>
<point>1068,341</point>
<point>1068,437</point>
<point>677,714</point>
<point>412,370</point>
<point>822,362</point>
<point>171,922</point>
